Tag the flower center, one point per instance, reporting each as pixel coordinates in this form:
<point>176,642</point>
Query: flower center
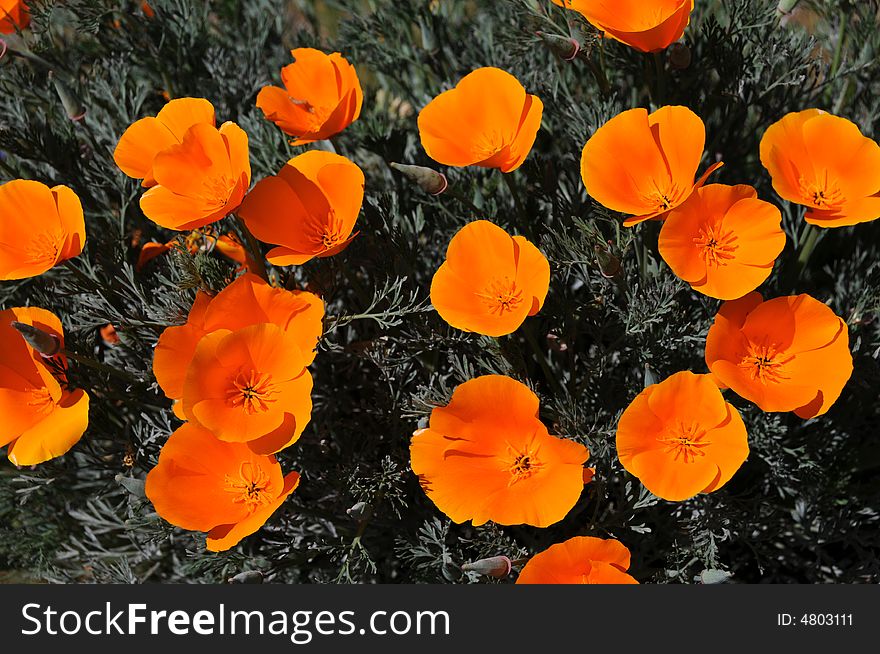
<point>716,246</point>
<point>40,399</point>
<point>501,295</point>
<point>822,194</point>
<point>252,391</point>
<point>250,487</point>
<point>765,363</point>
<point>488,144</point>
<point>218,190</point>
<point>44,247</point>
<point>662,198</point>
<point>521,463</point>
<point>685,442</point>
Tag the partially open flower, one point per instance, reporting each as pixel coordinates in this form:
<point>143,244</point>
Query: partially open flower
<point>487,120</point>
<point>644,164</point>
<point>308,209</point>
<point>785,354</point>
<point>147,137</point>
<point>680,438</point>
<point>321,96</point>
<point>826,164</point>
<point>723,241</point>
<point>646,25</point>
<point>14,16</point>
<point>40,227</point>
<point>197,173</point>
<point>225,489</point>
<point>579,560</point>
<point>42,418</point>
<point>490,281</point>
<point>486,456</point>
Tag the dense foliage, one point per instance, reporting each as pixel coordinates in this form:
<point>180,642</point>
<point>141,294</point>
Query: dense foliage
<point>803,508</point>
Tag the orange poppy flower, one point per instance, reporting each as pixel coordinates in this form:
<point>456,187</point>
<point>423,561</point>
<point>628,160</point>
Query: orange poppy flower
<point>144,139</point>
<point>204,484</point>
<point>321,96</point>
<point>785,354</point>
<point>579,560</point>
<point>824,162</point>
<point>14,16</point>
<point>644,164</point>
<point>487,120</point>
<point>723,241</point>
<point>646,25</point>
<point>249,385</point>
<point>246,302</point>
<point>680,437</point>
<point>42,417</point>
<point>487,456</point>
<point>308,209</point>
<point>39,228</point>
<point>490,281</point>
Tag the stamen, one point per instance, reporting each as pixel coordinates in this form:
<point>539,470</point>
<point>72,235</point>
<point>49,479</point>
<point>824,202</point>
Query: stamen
<point>686,441</point>
<point>253,391</point>
<point>501,295</point>
<point>251,487</point>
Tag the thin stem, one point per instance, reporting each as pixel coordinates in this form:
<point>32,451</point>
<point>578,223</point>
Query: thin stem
<point>520,207</point>
<point>254,246</point>
<point>102,367</point>
<point>542,361</point>
<point>661,79</point>
<point>809,239</point>
<point>599,74</point>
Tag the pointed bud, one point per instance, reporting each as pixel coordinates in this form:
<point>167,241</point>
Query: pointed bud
<point>133,485</point>
<point>429,41</point>
<point>43,342</point>
<point>428,179</point>
<point>70,100</point>
<point>609,265</point>
<point>496,566</point>
<point>2,48</point>
<point>679,56</point>
<point>247,577</point>
<point>360,511</point>
<point>564,47</point>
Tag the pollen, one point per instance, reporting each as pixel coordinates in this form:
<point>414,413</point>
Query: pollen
<point>501,296</point>
<point>252,391</point>
<point>251,487</point>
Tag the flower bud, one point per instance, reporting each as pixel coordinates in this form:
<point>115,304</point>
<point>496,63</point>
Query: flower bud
<point>43,342</point>
<point>133,485</point>
<point>247,577</point>
<point>609,265</point>
<point>428,179</point>
<point>564,47</point>
<point>360,511</point>
<point>679,56</point>
<point>70,100</point>
<point>496,566</point>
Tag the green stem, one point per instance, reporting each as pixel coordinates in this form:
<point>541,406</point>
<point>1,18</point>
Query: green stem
<point>599,74</point>
<point>520,207</point>
<point>102,367</point>
<point>661,79</point>
<point>809,239</point>
<point>256,252</point>
<point>838,53</point>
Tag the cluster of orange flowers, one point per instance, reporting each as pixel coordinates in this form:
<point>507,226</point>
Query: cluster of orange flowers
<point>237,370</point>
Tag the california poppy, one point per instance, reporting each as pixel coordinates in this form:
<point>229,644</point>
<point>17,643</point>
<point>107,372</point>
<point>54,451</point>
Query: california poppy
<point>646,25</point>
<point>321,96</point>
<point>487,120</point>
<point>579,560</point>
<point>723,241</point>
<point>825,163</point>
<point>39,228</point>
<point>681,438</point>
<point>205,484</point>
<point>308,209</point>
<point>487,456</point>
<point>147,137</point>
<point>490,281</point>
<point>246,302</point>
<point>249,385</point>
<point>14,15</point>
<point>785,354</point>
<point>42,417</point>
<point>644,164</point>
